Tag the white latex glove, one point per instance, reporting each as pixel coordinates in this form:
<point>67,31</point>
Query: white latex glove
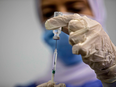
<point>51,84</point>
<point>90,40</point>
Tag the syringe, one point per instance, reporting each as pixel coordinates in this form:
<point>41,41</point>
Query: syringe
<point>55,37</point>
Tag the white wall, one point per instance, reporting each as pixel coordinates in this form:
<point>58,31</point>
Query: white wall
<point>111,19</point>
<point>23,55</point>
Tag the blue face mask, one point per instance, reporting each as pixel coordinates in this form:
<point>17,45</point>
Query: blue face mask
<point>63,47</point>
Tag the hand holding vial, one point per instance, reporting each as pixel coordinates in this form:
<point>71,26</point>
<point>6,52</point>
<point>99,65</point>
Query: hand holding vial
<point>88,38</point>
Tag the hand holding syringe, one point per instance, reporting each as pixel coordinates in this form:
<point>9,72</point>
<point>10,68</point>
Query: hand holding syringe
<point>56,37</point>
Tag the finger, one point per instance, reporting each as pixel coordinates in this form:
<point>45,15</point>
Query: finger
<point>75,40</point>
<point>90,22</point>
<point>42,85</point>
<point>77,28</point>
<point>77,37</point>
<point>60,21</point>
<point>60,85</point>
<point>50,84</point>
<point>83,22</point>
<point>86,48</point>
<point>77,24</point>
<point>78,49</point>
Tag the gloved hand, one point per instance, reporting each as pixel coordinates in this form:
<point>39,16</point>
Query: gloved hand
<point>90,40</point>
<point>51,84</point>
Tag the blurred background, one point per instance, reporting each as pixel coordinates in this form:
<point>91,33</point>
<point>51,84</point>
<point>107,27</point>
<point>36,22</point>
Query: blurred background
<point>23,54</point>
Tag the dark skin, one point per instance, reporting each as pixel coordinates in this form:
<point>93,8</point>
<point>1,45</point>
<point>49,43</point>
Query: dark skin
<point>74,6</point>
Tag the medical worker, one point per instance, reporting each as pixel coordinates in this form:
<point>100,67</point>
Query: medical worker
<point>72,68</point>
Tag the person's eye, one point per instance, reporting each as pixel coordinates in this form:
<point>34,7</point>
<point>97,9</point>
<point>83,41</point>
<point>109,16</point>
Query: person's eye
<point>76,10</point>
<point>76,7</point>
<point>48,14</point>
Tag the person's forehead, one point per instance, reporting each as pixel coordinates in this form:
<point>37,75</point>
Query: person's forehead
<point>47,2</point>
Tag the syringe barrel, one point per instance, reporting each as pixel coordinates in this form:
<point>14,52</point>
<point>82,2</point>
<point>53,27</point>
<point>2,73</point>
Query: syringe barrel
<point>54,59</point>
